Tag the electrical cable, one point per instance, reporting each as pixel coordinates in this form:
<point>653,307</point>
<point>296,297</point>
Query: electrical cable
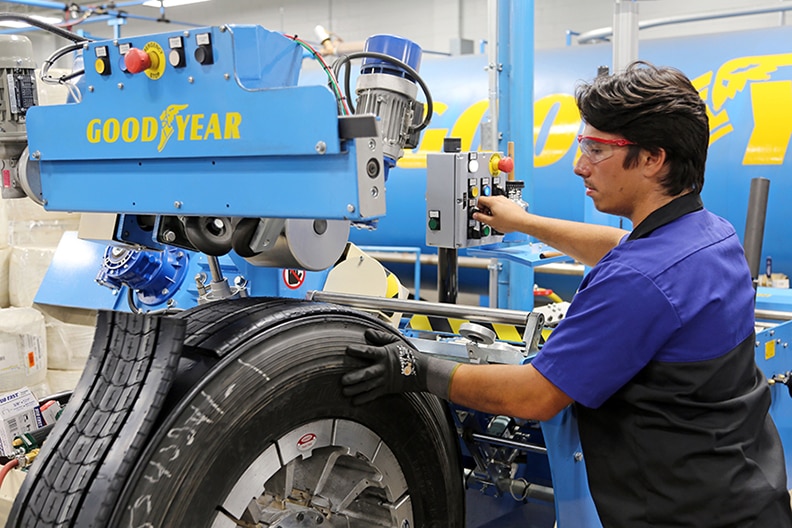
<point>345,60</point>
<point>330,75</point>
<point>74,37</point>
<point>6,468</point>
<point>131,302</point>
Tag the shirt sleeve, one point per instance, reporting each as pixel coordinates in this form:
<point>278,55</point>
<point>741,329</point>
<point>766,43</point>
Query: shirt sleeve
<point>616,324</point>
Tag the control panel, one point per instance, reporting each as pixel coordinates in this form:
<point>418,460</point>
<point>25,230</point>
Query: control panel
<point>454,182</point>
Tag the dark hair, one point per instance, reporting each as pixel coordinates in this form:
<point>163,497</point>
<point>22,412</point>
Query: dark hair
<point>657,108</point>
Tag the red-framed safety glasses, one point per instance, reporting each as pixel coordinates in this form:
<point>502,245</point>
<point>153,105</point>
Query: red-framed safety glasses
<point>599,149</point>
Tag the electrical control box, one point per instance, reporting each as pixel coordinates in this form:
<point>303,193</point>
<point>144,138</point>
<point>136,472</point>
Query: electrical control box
<point>454,182</point>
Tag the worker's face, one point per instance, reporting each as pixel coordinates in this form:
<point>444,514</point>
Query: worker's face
<point>613,188</point>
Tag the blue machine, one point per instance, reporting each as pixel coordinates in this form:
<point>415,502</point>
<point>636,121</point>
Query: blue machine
<point>206,157</point>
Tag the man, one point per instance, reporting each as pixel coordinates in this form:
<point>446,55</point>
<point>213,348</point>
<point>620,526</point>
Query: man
<point>656,352</point>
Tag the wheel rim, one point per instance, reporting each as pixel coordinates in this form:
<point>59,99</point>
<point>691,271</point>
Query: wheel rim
<point>334,473</point>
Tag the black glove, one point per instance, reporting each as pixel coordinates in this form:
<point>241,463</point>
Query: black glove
<point>395,367</point>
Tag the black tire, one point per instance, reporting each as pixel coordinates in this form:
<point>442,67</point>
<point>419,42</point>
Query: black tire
<point>254,371</point>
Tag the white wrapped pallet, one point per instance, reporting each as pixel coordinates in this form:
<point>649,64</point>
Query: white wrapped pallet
<point>70,333</point>
<point>62,380</point>
<point>26,270</point>
<point>3,223</point>
<point>5,257</point>
<point>23,350</point>
<point>25,209</point>
<point>40,233</point>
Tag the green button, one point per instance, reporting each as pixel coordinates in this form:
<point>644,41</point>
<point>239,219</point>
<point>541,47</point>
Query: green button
<point>485,230</point>
<point>434,224</point>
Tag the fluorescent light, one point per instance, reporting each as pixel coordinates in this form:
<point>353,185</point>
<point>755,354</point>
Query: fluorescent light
<point>171,3</point>
<point>20,24</point>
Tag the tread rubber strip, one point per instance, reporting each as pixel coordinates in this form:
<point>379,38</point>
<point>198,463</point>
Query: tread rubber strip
<point>85,461</point>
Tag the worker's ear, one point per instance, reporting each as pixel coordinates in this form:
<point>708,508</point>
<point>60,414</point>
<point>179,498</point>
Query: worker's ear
<point>653,163</point>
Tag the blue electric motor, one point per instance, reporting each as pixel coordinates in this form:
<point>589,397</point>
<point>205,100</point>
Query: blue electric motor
<point>155,276</point>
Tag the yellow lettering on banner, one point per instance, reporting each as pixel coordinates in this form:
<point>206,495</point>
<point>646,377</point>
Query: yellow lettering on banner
<point>92,131</point>
<point>772,111</point>
<point>195,127</point>
<point>111,130</point>
<point>563,129</point>
<point>149,130</point>
<point>181,124</point>
<point>130,130</point>
<point>233,120</point>
<point>213,128</point>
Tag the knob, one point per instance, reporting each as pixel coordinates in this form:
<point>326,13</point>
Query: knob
<point>506,164</point>
<point>137,60</point>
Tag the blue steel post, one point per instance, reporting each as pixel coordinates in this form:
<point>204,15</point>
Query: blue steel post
<point>515,119</point>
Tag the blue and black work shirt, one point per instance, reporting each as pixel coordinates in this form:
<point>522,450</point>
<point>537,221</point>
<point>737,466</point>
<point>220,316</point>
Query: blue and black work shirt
<point>657,350</point>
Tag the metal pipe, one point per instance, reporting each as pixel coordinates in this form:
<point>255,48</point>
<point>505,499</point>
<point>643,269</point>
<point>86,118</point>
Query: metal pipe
<point>408,257</point>
<point>61,6</point>
<point>214,268</point>
<point>604,33</point>
<point>492,71</point>
<point>504,442</point>
<point>773,315</point>
<point>457,311</point>
<point>755,224</point>
<point>447,275</point>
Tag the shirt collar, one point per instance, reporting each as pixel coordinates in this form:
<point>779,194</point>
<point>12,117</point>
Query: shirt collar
<point>680,206</point>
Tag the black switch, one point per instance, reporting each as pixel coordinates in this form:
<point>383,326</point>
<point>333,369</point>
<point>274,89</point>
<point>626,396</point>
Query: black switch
<point>203,53</point>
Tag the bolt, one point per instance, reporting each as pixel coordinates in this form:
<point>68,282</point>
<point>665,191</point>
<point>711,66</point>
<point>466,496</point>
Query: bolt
<point>164,291</point>
<point>169,236</point>
<point>321,147</point>
<point>374,192</point>
<point>115,43</point>
<point>90,88</point>
<point>578,456</point>
<point>778,341</point>
<point>372,144</point>
<point>190,79</point>
<point>319,519</point>
<point>350,208</point>
<point>226,76</point>
<point>757,343</point>
<point>186,33</point>
<point>772,332</point>
<point>120,86</point>
<point>177,204</point>
<point>300,516</point>
<point>37,154</point>
<point>223,28</point>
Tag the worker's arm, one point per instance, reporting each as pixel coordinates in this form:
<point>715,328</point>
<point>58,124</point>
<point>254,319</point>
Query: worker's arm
<point>392,366</point>
<point>511,390</point>
<point>586,243</point>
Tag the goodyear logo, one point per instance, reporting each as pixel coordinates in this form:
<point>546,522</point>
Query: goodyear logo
<point>557,120</point>
<point>174,123</point>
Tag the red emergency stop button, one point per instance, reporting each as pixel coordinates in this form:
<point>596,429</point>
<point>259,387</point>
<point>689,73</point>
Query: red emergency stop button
<point>136,60</point>
<point>506,164</point>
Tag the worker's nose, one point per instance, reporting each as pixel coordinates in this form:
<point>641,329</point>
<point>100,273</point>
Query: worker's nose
<point>582,167</point>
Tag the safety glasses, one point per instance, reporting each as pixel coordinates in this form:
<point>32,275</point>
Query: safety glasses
<point>599,149</point>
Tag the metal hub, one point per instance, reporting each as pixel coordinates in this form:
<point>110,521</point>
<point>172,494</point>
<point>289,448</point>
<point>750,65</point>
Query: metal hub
<point>329,473</point>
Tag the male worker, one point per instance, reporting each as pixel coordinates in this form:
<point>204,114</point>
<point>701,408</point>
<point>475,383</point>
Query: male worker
<point>656,352</point>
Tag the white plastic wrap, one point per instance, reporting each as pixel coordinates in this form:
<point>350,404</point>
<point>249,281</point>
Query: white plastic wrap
<point>26,270</point>
<point>70,333</point>
<point>23,350</point>
<point>3,223</point>
<point>5,258</point>
<point>25,209</point>
<point>40,233</point>
<point>62,380</point>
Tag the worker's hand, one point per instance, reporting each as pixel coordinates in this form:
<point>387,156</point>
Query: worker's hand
<point>500,213</point>
<point>394,367</point>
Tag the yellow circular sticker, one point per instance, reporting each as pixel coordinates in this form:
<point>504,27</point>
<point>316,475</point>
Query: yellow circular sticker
<point>157,55</point>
